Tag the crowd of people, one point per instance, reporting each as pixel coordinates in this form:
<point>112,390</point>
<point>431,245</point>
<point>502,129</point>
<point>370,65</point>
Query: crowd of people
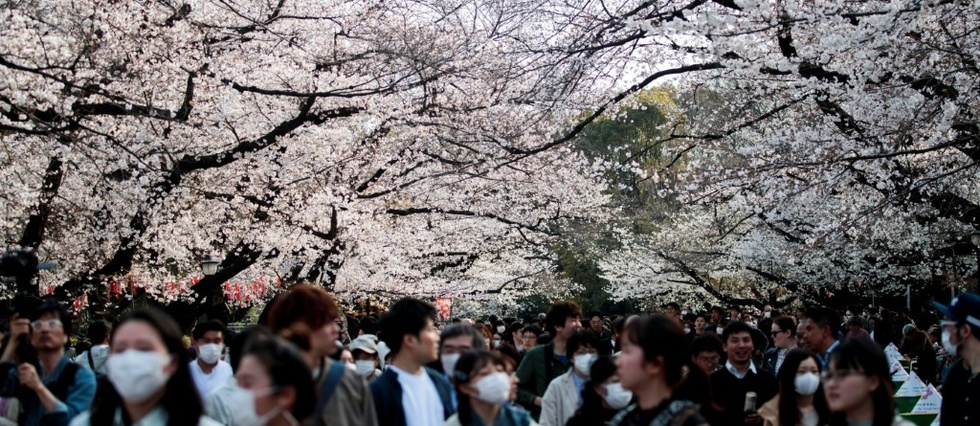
<point>676,366</point>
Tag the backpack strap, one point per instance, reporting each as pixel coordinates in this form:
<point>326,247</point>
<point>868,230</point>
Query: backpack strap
<point>621,416</point>
<point>91,363</point>
<point>329,385</point>
<point>677,410</point>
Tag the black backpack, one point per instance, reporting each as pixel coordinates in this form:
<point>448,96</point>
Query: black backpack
<point>103,385</point>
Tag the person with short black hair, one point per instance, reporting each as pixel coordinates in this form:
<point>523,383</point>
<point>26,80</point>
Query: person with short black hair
<point>544,363</point>
<point>597,325</point>
<point>96,356</point>
<point>707,351</point>
<point>820,330</point>
<point>563,395</point>
<point>51,389</point>
<point>408,392</point>
<point>740,376</point>
<point>208,370</point>
<point>456,340</point>
<point>530,335</point>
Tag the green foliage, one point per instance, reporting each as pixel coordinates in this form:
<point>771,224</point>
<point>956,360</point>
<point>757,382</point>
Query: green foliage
<point>631,145</point>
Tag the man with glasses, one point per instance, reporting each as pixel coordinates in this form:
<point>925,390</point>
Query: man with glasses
<point>51,389</point>
<point>961,335</point>
<point>783,331</point>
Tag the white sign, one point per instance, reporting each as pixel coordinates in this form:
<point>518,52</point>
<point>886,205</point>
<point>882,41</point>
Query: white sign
<point>912,387</point>
<point>898,372</point>
<point>930,402</point>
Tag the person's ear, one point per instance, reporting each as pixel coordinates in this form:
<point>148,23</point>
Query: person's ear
<point>287,397</point>
<point>600,389</point>
<point>873,383</point>
<point>171,368</point>
<point>655,367</point>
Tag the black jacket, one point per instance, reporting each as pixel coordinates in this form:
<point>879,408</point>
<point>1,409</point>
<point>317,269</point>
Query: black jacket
<point>387,394</point>
<point>730,392</point>
<point>961,391</point>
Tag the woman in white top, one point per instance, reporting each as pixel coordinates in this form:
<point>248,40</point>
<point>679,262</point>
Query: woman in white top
<point>148,368</point>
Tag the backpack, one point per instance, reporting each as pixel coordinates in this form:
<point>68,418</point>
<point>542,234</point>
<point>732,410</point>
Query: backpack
<point>102,383</point>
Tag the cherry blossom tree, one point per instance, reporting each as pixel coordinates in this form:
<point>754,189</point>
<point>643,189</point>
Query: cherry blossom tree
<point>397,148</point>
<point>831,148</point>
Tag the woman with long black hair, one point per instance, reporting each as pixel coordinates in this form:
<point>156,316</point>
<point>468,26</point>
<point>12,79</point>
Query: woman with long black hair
<point>858,386</point>
<point>653,364</point>
<point>148,368</point>
<point>800,401</point>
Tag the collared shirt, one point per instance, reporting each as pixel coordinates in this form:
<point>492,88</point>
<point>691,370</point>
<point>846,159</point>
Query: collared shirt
<point>579,385</point>
<point>825,358</point>
<point>741,375</point>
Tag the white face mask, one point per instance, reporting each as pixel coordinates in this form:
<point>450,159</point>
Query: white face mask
<point>210,353</point>
<point>720,330</point>
<point>948,344</point>
<point>683,313</point>
<point>365,367</point>
<point>501,329</point>
<point>767,314</point>
<point>496,343</point>
<point>493,388</point>
<point>687,330</point>
<point>583,363</point>
<point>244,414</point>
<point>137,375</point>
<point>617,397</point>
<point>449,364</point>
<point>806,384</point>
<point>350,366</point>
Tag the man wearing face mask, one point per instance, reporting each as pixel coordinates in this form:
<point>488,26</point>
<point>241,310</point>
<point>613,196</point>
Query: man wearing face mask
<point>454,341</point>
<point>366,361</point>
<point>208,370</point>
<point>961,335</point>
<point>564,394</point>
<point>53,390</point>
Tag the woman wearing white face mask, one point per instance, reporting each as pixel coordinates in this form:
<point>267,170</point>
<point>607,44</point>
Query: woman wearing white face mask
<point>563,395</point>
<point>801,400</point>
<point>148,368</point>
<point>602,397</point>
<point>275,386</point>
<point>483,388</point>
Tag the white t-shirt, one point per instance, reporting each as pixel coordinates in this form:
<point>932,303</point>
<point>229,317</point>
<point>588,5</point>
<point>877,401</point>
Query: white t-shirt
<point>206,383</point>
<point>100,354</point>
<point>420,399</point>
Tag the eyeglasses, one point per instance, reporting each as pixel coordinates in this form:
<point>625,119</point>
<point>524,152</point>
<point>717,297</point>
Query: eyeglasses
<point>775,332</point>
<point>51,324</point>
<point>827,376</point>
